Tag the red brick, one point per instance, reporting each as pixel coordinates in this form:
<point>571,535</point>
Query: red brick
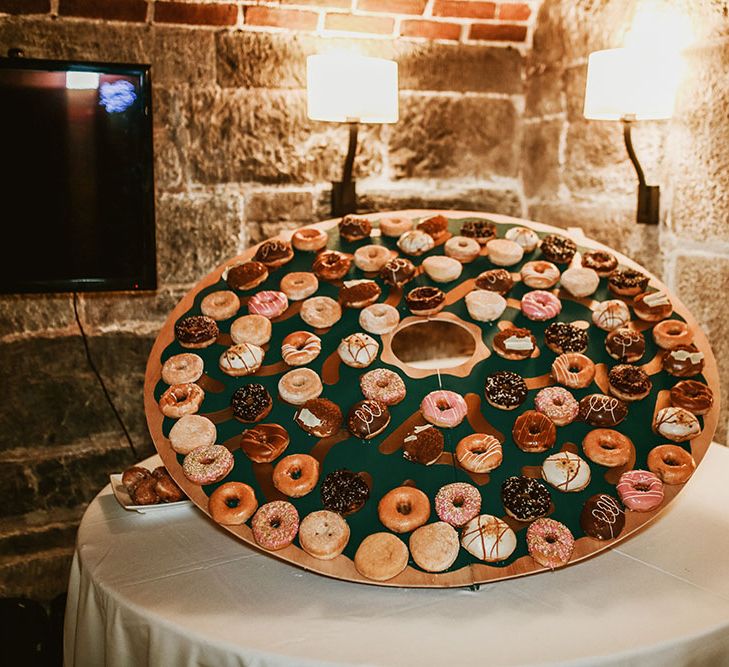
<point>113,10</point>
<point>372,24</point>
<point>464,9</point>
<point>514,11</point>
<point>25,6</point>
<point>430,29</point>
<point>392,6</point>
<point>281,18</point>
<point>194,13</point>
<point>342,4</point>
<point>504,32</point>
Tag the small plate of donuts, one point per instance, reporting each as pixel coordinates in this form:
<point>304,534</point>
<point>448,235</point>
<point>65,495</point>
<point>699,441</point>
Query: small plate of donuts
<point>147,487</point>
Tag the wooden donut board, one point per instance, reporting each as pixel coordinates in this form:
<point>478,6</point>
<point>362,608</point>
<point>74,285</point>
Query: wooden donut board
<point>466,570</point>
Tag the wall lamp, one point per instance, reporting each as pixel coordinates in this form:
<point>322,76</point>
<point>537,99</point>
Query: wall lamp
<point>352,89</point>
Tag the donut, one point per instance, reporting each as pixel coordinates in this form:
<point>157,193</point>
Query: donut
<point>263,443</point>
<point>524,236</point>
<point>683,361</point>
<point>534,432</point>
<point>196,331</point>
<point>434,547</point>
<point>673,464</point>
<point>514,343</point>
<point>299,386</point>
<point>495,280</point>
<point>600,261</point>
<point>309,239</point>
<point>274,253</point>
<point>298,285</point>
<point>371,258</point>
<point>462,249</point>
<point>331,265</point>
<point>558,404</point>
<point>652,306</point>
<point>381,556</point>
<point>275,525</point>
<point>539,274</point>
<point>607,447</point>
<point>434,225</point>
<point>397,272</point>
<point>240,360</point>
<point>671,334</point>
<point>245,276</point>
<point>367,419</point>
<point>166,487</point>
<point>379,318</point>
<point>627,282</point>
<point>610,314</point>
<point>220,305</point>
<point>207,465</point>
<point>181,399</point>
<point>132,477</point>
<point>182,368</point>
<point>693,396</point>
<point>415,242</point>
<point>539,305</point>
<point>268,303</point>
<point>251,403</point>
<point>481,230</point>
<point>190,432</point>
<point>566,472</point>
<point>505,390</point>
<point>320,312</point>
<point>403,509</point>
<point>601,410</point>
<point>479,453</point>
<point>254,329</point>
<point>629,383</point>
<point>602,517</point>
<point>573,370</point>
<point>144,493</point>
<point>358,350</point>
<point>383,385</point>
<point>640,490</point>
<point>488,538</point>
<point>564,337</point>
<point>354,228</point>
<point>579,281</point>
<point>296,475</point>
<point>503,252</point>
<point>457,503</point>
<point>323,534</point>
<point>232,503</point>
<point>558,249</point>
<point>359,293</point>
<point>423,444</point>
<point>424,301</point>
<point>300,348</point>
<point>444,408</point>
<point>344,491</point>
<point>525,498</point>
<point>676,424</point>
<point>485,306</point>
<point>319,417</point>
<point>625,345</point>
<point>550,543</point>
<point>442,269</point>
<point>395,225</point>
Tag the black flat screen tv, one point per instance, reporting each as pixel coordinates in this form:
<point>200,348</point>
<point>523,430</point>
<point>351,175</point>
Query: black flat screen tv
<point>76,177</point>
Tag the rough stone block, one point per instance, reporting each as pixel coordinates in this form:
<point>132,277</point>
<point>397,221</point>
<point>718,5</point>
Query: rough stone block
<point>20,536</point>
<point>32,313</point>
<point>454,136</point>
<point>260,231</point>
<point>544,91</point>
<point>541,170</point>
<point>42,576</point>
<point>280,206</point>
<point>183,55</point>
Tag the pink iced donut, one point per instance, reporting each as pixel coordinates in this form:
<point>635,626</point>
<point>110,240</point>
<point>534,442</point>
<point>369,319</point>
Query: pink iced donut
<point>640,490</point>
<point>457,503</point>
<point>207,464</point>
<point>268,303</point>
<point>275,525</point>
<point>444,408</point>
<point>550,542</point>
<point>557,404</point>
<point>540,305</point>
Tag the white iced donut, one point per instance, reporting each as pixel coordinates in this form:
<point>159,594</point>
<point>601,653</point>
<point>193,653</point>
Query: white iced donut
<point>566,471</point>
<point>503,252</point>
<point>358,350</point>
<point>371,258</point>
<point>539,274</point>
<point>442,269</point>
<point>610,314</point>
<point>485,306</point>
<point>415,242</point>
<point>242,359</point>
<point>526,238</point>
<point>488,538</point>
<point>677,424</point>
<point>379,318</point>
<point>580,282</point>
<point>462,248</point>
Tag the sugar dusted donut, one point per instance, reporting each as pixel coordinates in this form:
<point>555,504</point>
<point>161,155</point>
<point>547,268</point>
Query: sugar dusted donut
<point>488,538</point>
<point>381,556</point>
<point>558,404</point>
<point>434,547</point>
<point>462,248</point>
<point>610,314</point>
<point>181,399</point>
<point>640,490</point>
<point>300,348</point>
<point>254,329</point>
<point>566,472</point>
<point>320,312</point>
<point>323,534</point>
<point>479,453</point>
<point>539,305</point>
<point>457,503</point>
<point>298,285</point>
<point>379,318</point>
<point>607,447</point>
<point>240,360</point>
<point>268,303</point>
<point>383,385</point>
<point>300,385</point>
<point>503,252</point>
<point>580,282</point>
<point>182,368</point>
<point>550,542</point>
<point>232,503</point>
<point>673,464</point>
<point>442,269</point>
<point>403,509</point>
<point>207,465</point>
<point>275,525</point>
<point>190,432</point>
<point>415,242</point>
<point>485,306</point>
<point>444,408</point>
<point>539,274</point>
<point>296,475</point>
<point>371,258</point>
<point>676,424</point>
<point>358,350</point>
<point>220,305</point>
<point>309,239</point>
<point>524,236</point>
<point>573,370</point>
<point>671,334</point>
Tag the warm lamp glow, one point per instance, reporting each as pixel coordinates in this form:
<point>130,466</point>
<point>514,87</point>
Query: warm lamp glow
<point>351,88</point>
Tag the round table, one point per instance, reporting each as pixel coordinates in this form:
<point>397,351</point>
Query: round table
<point>170,587</point>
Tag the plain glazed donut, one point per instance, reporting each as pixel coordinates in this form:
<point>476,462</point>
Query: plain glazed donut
<point>485,306</point>
<point>182,368</point>
<point>573,370</point>
<point>232,503</point>
<point>444,408</point>
<point>580,282</point>
<point>221,305</point>
<point>539,305</point>
<point>673,464</point>
<point>181,399</point>
<point>275,525</point>
<point>300,348</point>
<point>320,312</point>
<point>404,509</point>
<point>379,318</point>
<point>268,303</point>
<point>207,465</point>
<point>550,542</point>
<point>607,447</point>
<point>479,453</point>
<point>298,285</point>
<point>462,248</point>
<point>296,475</point>
<point>457,503</point>
<point>254,329</point>
<point>395,225</point>
<point>309,239</point>
<point>300,385</point>
<point>640,490</point>
<point>371,258</point>
<point>671,334</point>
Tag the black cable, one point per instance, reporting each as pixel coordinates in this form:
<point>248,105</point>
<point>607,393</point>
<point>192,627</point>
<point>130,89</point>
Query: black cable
<point>100,379</point>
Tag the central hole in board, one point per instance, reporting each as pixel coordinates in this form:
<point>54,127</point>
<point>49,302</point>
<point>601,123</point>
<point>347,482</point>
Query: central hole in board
<point>433,344</point>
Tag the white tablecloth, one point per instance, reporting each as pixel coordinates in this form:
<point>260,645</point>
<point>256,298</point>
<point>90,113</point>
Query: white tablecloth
<point>171,588</point>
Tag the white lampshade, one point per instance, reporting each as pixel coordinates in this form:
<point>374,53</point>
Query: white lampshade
<point>347,87</point>
<point>631,83</point>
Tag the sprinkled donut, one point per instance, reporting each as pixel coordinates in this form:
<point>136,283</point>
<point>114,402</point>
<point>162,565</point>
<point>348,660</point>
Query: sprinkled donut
<point>444,408</point>
<point>383,385</point>
<point>457,503</point>
<point>268,303</point>
<point>550,543</point>
<point>525,498</point>
<point>479,453</point>
<point>251,403</point>
<point>558,404</point>
<point>207,465</point>
<point>539,305</point>
<point>640,490</point>
<point>275,525</point>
